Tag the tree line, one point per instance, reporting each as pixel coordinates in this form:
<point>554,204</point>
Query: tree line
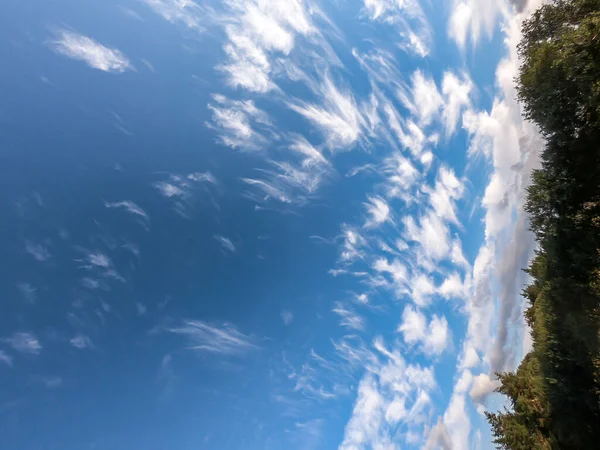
<point>554,395</point>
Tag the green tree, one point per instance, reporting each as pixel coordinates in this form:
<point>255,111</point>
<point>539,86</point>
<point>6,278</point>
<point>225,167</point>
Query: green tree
<point>555,393</point>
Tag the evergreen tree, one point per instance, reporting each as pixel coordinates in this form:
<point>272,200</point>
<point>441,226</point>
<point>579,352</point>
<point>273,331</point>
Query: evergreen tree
<point>555,393</point>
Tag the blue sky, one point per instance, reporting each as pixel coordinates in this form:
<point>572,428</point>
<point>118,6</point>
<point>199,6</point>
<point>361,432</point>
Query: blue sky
<point>259,224</point>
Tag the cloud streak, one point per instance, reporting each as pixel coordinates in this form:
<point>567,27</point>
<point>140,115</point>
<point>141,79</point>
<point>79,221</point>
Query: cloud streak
<point>24,342</point>
<point>82,48</point>
<point>222,339</point>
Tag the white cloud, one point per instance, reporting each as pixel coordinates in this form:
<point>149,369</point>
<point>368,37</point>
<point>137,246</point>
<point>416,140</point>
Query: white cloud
<point>269,190</point>
<point>82,48</point>
<point>224,339</point>
<point>431,233</point>
<point>225,243</point>
<point>512,145</point>
<point>432,338</point>
<point>287,317</point>
<point>24,342</point>
<point>296,180</point>
<point>457,97</point>
<point>427,100</point>
<point>452,287</point>
<point>483,386</point>
<point>408,133</point>
<point>390,393</point>
<point>448,189</point>
<point>259,31</point>
<point>180,189</point>
<point>379,212</point>
<point>99,259</point>
<point>202,177</point>
<point>470,18</point>
<point>439,438</point>
<point>168,190</point>
<point>131,208</point>
<point>428,105</point>
<point>349,318</point>
<point>397,271</point>
<point>407,18</point>
<point>37,251</point>
<point>236,121</point>
<point>28,291</point>
<point>5,358</point>
<point>338,117</point>
<point>456,417</point>
<point>186,12</point>
<point>401,175</point>
<point>81,342</point>
<point>353,245</point>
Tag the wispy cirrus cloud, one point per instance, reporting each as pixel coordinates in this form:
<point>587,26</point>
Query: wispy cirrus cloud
<point>262,37</point>
<point>348,317</point>
<point>236,123</point>
<point>433,337</point>
<point>185,12</point>
<point>225,243</point>
<point>379,212</point>
<point>24,342</point>
<point>337,116</point>
<point>287,317</point>
<point>5,358</point>
<point>392,393</point>
<point>297,177</point>
<point>132,208</point>
<point>179,189</point>
<point>38,251</point>
<point>82,48</point>
<point>471,18</point>
<point>81,341</point>
<point>408,18</point>
<point>223,339</point>
<point>428,105</point>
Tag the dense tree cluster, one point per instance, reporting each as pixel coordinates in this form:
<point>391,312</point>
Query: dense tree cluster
<point>555,393</point>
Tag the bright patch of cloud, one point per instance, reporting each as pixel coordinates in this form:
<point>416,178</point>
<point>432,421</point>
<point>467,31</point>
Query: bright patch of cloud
<point>186,12</point>
<point>390,394</point>
<point>456,417</point>
<point>433,337</point>
<point>236,121</point>
<point>410,20</point>
<point>287,317</point>
<point>338,117</point>
<point>379,212</point>
<point>349,318</point>
<point>179,189</point>
<point>297,179</point>
<point>82,48</point>
<point>131,208</point>
<point>225,243</point>
<point>429,105</point>
<point>223,340</point>
<point>24,342</point>
<point>5,358</point>
<point>483,386</point>
<point>257,32</point>
<point>81,342</point>
<point>512,145</point>
<point>37,251</point>
<point>353,244</point>
<point>470,18</point>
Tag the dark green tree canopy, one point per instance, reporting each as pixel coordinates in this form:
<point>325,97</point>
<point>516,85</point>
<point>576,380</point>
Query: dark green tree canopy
<point>554,396</point>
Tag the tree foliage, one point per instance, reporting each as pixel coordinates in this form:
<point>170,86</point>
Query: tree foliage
<point>555,393</point>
